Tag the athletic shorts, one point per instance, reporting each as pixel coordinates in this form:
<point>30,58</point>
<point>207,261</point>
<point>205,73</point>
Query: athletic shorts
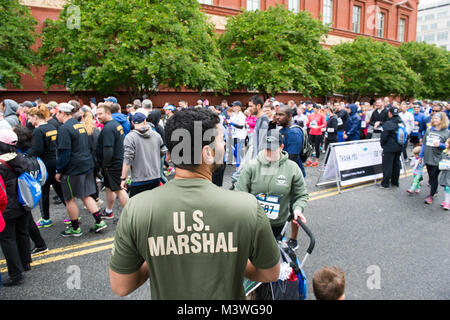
<point>80,186</point>
<point>112,178</point>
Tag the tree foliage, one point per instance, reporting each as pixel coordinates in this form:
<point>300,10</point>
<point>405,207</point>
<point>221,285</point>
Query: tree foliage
<point>371,68</point>
<point>17,35</point>
<point>432,64</point>
<point>277,50</point>
<point>133,45</point>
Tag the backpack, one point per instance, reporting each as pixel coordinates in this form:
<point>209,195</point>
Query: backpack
<point>401,135</point>
<point>28,188</point>
<point>307,148</point>
<point>3,202</point>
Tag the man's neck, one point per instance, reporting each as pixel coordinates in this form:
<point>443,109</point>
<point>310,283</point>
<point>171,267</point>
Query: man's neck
<point>201,172</point>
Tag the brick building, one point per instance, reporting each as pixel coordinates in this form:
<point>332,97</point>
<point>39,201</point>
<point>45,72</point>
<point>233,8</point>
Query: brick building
<point>392,21</point>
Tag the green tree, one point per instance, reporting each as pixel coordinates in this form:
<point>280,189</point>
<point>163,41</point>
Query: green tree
<point>135,45</point>
<point>17,35</point>
<point>371,68</point>
<point>277,50</point>
<point>433,66</point>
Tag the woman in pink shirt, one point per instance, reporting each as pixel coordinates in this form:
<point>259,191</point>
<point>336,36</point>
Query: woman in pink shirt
<point>316,121</point>
<point>250,121</point>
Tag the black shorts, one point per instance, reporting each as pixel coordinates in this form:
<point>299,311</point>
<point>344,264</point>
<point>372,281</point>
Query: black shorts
<point>414,139</point>
<point>80,186</point>
<point>112,178</point>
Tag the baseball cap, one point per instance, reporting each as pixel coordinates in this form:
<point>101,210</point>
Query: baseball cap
<point>237,103</point>
<point>111,99</point>
<point>8,137</point>
<point>276,103</point>
<point>27,104</point>
<point>169,107</point>
<point>65,107</point>
<point>274,140</point>
<point>139,117</point>
<point>393,111</point>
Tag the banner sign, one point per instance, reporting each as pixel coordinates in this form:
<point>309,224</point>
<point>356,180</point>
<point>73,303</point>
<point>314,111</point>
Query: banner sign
<point>353,162</point>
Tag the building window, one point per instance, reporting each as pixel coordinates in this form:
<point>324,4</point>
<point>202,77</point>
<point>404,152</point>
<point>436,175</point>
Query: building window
<point>442,14</point>
<point>433,26</point>
<point>419,39</point>
<point>401,30</point>
<point>380,24</point>
<point>328,12</point>
<point>253,4</point>
<point>294,5</point>
<point>429,37</point>
<point>206,1</point>
<point>442,36</point>
<point>425,27</point>
<point>429,17</point>
<point>356,26</point>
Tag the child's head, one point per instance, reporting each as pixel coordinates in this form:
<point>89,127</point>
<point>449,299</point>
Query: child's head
<point>416,150</point>
<point>329,284</point>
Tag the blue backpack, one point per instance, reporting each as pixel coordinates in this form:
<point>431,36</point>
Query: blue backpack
<point>30,191</point>
<point>29,185</point>
<point>401,134</point>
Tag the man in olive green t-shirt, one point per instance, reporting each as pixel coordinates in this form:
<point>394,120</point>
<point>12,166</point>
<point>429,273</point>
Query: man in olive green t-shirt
<point>192,239</point>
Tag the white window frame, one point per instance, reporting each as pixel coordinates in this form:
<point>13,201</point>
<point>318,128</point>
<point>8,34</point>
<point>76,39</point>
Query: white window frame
<point>401,29</point>
<point>328,12</point>
<point>253,5</point>
<point>356,25</point>
<point>294,6</point>
<point>381,23</point>
<point>210,2</point>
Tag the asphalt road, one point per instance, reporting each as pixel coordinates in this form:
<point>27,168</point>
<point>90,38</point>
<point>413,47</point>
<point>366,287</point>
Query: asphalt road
<point>390,245</point>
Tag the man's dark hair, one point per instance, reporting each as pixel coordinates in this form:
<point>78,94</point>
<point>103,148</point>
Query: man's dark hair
<point>115,108</point>
<point>186,121</point>
<point>24,137</point>
<point>257,100</point>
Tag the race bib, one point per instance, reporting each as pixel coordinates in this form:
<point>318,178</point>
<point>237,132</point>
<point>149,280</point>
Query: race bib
<point>340,123</point>
<point>415,129</point>
<point>270,205</point>
<point>314,124</point>
<point>431,139</point>
<point>444,164</point>
<point>363,124</point>
<point>330,130</point>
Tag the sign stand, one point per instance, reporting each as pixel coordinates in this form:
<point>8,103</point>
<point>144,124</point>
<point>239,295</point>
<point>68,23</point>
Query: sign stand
<point>353,162</point>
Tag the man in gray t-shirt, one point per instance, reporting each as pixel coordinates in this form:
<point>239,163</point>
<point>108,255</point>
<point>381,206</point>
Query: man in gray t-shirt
<point>261,127</point>
<point>143,148</point>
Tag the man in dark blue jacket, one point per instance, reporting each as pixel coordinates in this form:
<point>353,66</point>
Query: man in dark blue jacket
<point>353,125</point>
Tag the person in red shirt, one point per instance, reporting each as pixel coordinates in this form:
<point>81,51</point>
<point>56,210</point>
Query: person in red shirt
<point>316,121</point>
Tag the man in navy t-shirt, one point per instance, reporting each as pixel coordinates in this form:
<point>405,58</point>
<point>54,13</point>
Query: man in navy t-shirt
<point>292,135</point>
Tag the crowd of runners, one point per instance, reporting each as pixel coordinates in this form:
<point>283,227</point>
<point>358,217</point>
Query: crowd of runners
<point>183,150</point>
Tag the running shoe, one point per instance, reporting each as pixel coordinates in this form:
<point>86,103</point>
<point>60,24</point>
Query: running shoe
<point>417,190</point>
<point>107,216</point>
<point>410,192</point>
<point>314,164</point>
<point>446,206</point>
<point>70,232</point>
<point>67,221</point>
<point>308,163</point>
<point>98,227</point>
<point>429,200</point>
<point>37,251</point>
<point>293,244</point>
<point>42,223</point>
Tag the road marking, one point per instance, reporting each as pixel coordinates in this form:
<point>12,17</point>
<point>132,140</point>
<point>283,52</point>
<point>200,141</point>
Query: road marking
<point>69,248</point>
<point>67,256</point>
<point>321,194</point>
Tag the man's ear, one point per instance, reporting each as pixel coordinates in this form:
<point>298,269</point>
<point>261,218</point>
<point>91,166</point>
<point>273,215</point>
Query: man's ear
<point>208,155</point>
